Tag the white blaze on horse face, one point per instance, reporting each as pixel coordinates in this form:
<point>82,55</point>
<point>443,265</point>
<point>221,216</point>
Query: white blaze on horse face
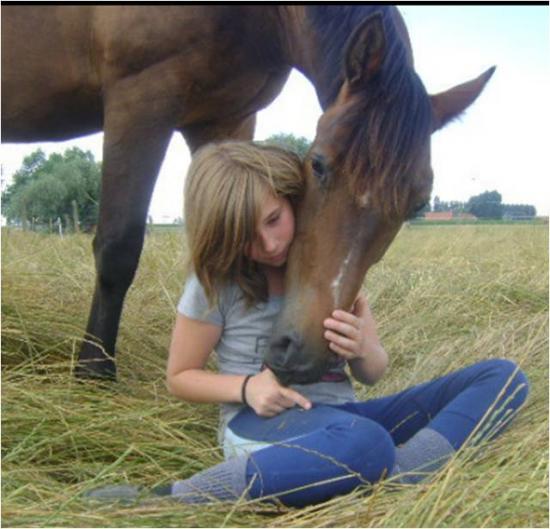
<point>364,199</point>
<point>337,283</point>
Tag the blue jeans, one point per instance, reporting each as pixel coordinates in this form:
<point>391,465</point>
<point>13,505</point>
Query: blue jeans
<point>330,450</point>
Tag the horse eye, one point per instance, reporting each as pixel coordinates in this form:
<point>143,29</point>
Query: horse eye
<point>318,168</point>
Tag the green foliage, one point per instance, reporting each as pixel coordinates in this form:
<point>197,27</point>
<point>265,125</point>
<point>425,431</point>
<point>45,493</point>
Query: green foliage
<point>487,205</point>
<point>299,145</point>
<point>454,205</point>
<point>44,189</point>
<point>518,211</point>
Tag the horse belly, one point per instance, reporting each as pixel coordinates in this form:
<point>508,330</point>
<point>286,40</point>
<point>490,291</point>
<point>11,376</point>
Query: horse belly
<point>211,58</point>
<point>48,92</point>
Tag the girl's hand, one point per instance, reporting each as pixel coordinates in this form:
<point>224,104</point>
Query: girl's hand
<point>352,335</point>
<point>268,398</point>
<point>345,331</point>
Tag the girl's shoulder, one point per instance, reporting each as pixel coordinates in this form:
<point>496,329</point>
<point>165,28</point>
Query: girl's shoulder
<point>194,304</point>
<point>194,299</point>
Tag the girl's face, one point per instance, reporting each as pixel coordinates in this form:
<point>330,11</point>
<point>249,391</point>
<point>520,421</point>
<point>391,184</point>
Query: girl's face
<point>274,232</point>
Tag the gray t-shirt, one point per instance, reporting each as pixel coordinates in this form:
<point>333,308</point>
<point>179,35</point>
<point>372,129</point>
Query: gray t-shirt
<point>244,341</point>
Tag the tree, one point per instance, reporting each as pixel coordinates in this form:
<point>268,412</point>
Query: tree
<point>487,205</point>
<point>299,145</point>
<point>457,207</point>
<point>44,189</point>
<point>518,211</point>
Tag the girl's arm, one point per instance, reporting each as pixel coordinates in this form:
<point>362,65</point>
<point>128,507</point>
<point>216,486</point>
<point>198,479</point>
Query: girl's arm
<point>191,345</point>
<point>353,336</point>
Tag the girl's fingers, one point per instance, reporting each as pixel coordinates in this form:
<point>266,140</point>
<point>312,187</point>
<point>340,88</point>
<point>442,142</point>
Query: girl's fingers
<point>346,317</point>
<point>293,397</point>
<point>272,410</point>
<point>341,341</point>
<point>285,401</point>
<point>344,353</point>
<point>345,329</point>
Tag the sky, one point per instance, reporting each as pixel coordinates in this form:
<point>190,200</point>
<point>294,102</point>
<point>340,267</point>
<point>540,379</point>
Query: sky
<point>500,143</point>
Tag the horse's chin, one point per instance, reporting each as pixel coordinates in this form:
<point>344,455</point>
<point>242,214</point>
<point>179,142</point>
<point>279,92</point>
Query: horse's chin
<point>308,374</point>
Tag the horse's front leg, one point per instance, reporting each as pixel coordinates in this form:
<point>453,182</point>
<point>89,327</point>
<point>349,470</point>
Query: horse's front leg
<point>138,124</point>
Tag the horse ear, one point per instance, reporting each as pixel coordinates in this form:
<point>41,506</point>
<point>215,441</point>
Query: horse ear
<point>365,51</point>
<point>450,104</point>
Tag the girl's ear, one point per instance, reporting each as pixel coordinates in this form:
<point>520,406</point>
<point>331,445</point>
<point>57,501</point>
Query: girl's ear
<point>448,105</point>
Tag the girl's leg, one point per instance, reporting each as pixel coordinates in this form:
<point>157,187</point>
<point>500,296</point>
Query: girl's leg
<point>435,418</point>
<point>327,452</point>
<point>327,444</point>
<point>453,405</point>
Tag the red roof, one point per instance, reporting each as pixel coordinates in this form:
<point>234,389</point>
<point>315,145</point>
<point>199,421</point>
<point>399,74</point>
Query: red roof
<point>439,215</point>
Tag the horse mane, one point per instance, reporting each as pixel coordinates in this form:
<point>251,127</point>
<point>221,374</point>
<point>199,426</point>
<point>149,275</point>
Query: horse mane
<point>389,124</point>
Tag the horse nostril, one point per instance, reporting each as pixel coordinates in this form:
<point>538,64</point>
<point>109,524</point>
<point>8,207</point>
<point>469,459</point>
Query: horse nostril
<point>283,343</point>
<point>285,349</point>
<point>291,362</point>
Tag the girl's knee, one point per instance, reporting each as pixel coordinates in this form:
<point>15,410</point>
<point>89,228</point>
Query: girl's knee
<point>512,379</point>
<point>368,449</point>
<point>350,452</point>
<point>507,382</point>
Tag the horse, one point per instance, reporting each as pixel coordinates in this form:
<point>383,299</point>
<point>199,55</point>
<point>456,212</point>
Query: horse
<point>141,72</point>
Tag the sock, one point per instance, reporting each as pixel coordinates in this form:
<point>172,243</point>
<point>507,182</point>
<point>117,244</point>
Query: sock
<point>424,453</point>
<point>223,482</point>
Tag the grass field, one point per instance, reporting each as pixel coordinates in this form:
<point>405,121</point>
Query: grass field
<point>444,297</point>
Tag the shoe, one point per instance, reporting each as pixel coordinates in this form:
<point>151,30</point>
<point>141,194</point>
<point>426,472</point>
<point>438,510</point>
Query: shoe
<point>115,493</point>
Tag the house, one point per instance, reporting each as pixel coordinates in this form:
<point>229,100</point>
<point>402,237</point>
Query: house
<point>438,215</point>
<point>448,215</point>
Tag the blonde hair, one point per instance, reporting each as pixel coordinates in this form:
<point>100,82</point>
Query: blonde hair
<point>224,191</point>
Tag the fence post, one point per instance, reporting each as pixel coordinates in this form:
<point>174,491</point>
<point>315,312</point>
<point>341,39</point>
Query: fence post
<point>24,219</point>
<point>75,217</point>
<point>67,222</point>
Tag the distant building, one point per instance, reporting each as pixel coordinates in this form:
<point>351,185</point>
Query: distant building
<point>448,215</point>
<point>438,215</point>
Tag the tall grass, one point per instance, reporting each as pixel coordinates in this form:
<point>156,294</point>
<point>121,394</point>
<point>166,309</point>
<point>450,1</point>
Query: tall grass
<point>444,297</point>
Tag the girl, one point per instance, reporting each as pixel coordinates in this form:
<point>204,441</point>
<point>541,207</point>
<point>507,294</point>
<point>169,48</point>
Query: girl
<point>302,444</point>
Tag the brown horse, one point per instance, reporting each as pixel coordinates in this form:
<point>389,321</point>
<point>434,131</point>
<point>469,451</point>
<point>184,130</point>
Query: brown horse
<point>141,72</point>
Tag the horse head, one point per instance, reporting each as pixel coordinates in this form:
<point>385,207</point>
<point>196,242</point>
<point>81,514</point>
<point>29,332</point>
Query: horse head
<point>367,171</point>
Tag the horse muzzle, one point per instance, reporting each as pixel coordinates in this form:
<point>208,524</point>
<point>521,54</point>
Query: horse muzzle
<point>293,362</point>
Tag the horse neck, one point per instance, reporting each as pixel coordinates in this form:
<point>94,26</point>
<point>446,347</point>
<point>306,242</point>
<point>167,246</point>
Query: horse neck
<point>296,37</point>
<point>298,43</point>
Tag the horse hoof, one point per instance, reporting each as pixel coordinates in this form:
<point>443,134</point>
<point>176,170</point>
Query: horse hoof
<point>104,369</point>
